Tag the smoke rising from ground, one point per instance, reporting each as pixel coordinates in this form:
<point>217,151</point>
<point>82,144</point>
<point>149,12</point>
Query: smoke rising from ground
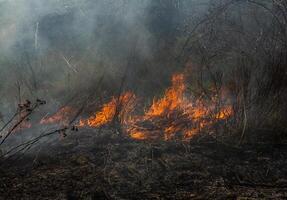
<point>52,49</point>
<point>57,49</point>
<point>51,44</point>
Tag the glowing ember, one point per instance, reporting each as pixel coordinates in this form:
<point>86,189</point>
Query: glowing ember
<point>224,113</point>
<point>138,135</point>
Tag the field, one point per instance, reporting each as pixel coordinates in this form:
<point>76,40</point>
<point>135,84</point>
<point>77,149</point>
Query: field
<point>101,165</point>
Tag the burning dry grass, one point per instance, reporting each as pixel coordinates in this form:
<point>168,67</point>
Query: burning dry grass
<point>61,117</point>
<point>174,115</point>
<point>118,107</point>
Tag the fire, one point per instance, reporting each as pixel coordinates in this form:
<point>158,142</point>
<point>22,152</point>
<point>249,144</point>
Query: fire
<point>23,125</point>
<point>171,100</point>
<point>175,115</point>
<point>167,116</point>
<point>117,107</point>
<point>138,135</point>
<point>62,116</point>
<point>224,113</point>
<point>104,116</point>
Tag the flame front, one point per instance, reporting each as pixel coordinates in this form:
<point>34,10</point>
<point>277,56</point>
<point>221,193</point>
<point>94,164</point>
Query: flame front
<point>117,107</point>
<point>175,115</point>
<point>62,116</point>
<point>171,100</point>
<point>172,116</point>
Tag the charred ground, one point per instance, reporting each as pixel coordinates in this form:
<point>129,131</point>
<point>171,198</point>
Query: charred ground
<point>116,99</point>
<point>102,165</point>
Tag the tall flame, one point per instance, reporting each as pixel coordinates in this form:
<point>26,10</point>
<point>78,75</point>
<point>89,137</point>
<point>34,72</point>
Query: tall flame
<point>171,100</point>
<point>174,115</point>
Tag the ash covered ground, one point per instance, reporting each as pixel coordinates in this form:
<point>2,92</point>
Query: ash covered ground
<point>146,99</point>
<point>98,164</point>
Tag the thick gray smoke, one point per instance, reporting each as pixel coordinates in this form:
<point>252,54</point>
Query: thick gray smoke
<point>53,49</point>
<point>45,21</point>
<point>50,47</point>
<point>59,51</point>
<point>56,49</point>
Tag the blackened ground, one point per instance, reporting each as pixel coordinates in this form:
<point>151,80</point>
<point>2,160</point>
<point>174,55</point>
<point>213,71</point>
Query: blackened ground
<point>93,165</point>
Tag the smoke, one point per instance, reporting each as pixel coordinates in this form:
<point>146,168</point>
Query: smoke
<point>47,46</point>
<point>59,50</point>
<point>72,25</point>
<point>54,49</point>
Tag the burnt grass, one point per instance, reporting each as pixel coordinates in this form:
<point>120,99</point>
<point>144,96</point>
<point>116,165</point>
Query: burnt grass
<point>101,165</point>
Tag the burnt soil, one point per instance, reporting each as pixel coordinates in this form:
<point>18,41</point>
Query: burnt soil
<point>92,165</point>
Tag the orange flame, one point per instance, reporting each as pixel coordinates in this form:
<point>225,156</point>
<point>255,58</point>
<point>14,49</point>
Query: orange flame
<point>117,107</point>
<point>175,115</point>
<point>62,116</point>
<point>171,100</point>
<point>23,125</point>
